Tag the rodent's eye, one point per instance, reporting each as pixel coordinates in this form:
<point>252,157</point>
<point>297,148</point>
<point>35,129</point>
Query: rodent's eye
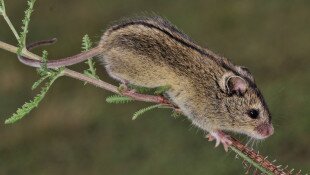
<point>253,113</point>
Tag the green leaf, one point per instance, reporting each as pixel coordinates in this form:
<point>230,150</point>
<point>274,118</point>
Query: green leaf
<point>161,89</point>
<point>86,45</point>
<point>140,89</point>
<point>157,90</point>
<point>2,7</point>
<point>25,21</point>
<point>117,99</point>
<point>43,68</point>
<point>37,83</point>
<point>43,71</point>
<point>144,110</point>
<point>175,114</point>
<point>29,106</point>
<point>90,74</point>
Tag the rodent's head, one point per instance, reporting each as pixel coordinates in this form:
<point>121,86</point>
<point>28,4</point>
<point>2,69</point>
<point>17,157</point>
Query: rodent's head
<point>244,104</point>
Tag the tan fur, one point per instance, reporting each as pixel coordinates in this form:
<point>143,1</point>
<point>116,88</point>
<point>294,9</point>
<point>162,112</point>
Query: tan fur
<point>151,52</point>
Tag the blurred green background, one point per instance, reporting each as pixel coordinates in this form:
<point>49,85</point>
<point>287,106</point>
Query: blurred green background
<point>74,131</point>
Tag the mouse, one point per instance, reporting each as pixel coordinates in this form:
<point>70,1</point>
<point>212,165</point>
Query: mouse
<point>215,94</point>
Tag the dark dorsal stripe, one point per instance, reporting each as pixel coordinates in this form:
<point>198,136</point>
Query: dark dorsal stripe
<point>149,25</point>
<point>183,42</point>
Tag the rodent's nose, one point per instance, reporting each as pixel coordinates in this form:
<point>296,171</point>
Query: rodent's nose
<point>269,131</point>
<point>272,130</point>
<point>265,129</point>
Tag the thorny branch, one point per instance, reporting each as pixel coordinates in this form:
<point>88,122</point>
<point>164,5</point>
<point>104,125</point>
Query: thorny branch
<point>246,153</point>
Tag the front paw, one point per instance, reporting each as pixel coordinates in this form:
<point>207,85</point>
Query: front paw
<point>220,137</point>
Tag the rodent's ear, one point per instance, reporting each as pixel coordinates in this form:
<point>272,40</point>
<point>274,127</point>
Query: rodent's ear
<point>245,71</point>
<point>232,84</point>
<point>236,85</point>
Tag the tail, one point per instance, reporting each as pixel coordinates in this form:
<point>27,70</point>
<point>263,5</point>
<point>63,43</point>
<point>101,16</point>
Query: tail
<point>57,63</point>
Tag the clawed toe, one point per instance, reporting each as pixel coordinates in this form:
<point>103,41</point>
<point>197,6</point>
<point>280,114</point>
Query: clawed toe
<point>220,137</point>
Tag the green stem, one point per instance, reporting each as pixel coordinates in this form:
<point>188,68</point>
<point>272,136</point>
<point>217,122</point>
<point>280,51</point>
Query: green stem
<point>8,21</point>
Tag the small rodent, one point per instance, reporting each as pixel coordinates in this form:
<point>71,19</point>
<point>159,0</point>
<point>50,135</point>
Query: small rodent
<point>214,93</point>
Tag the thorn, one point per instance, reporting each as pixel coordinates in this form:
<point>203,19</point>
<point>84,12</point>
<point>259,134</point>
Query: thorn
<point>248,170</point>
<point>292,170</point>
<point>298,172</point>
<point>255,171</point>
<point>274,160</point>
<point>266,158</point>
<point>244,163</point>
<point>279,166</point>
<point>257,151</point>
<point>285,167</point>
<point>236,157</point>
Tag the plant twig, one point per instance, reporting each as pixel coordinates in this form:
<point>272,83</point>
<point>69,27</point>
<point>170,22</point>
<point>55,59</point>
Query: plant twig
<point>90,80</point>
<point>14,49</point>
<point>8,21</point>
<point>255,159</point>
<point>11,26</point>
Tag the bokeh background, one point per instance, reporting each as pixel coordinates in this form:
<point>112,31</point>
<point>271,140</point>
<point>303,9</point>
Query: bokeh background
<point>74,131</point>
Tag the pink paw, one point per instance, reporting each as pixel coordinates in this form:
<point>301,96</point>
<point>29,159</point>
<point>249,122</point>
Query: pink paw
<point>220,137</point>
